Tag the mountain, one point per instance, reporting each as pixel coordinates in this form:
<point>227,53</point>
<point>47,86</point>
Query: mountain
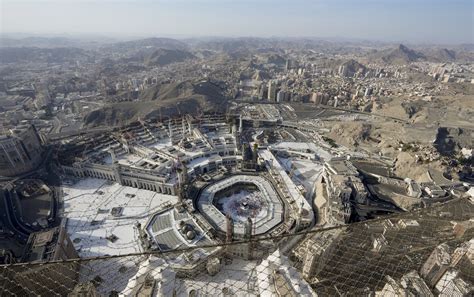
<point>399,55</point>
<point>170,91</point>
<point>445,55</point>
<point>274,59</point>
<point>450,140</point>
<point>349,68</point>
<point>47,55</point>
<point>52,42</point>
<point>212,91</point>
<point>268,45</point>
<point>163,100</point>
<point>162,57</point>
<point>439,55</point>
<point>154,43</point>
<point>466,47</point>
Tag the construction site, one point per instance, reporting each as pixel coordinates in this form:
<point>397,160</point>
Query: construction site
<point>198,206</point>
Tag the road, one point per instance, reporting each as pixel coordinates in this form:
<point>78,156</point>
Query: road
<point>80,132</point>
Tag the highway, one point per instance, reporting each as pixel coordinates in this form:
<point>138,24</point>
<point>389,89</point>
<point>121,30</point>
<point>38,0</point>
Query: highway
<point>326,107</point>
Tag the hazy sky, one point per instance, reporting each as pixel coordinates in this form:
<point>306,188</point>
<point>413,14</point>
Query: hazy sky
<point>416,21</point>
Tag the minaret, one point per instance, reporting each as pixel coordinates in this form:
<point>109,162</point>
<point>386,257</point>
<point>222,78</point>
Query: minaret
<point>180,185</point>
<point>240,124</point>
<point>248,228</point>
<point>116,167</point>
<point>170,130</point>
<point>229,229</point>
<point>255,154</point>
<point>190,125</point>
<point>183,126</point>
<point>248,236</point>
<point>182,173</point>
<point>112,154</point>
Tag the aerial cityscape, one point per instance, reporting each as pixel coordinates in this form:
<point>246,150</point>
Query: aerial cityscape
<point>189,148</point>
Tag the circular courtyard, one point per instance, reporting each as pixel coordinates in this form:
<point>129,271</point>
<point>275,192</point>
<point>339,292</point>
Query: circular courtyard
<point>241,197</point>
<point>241,201</point>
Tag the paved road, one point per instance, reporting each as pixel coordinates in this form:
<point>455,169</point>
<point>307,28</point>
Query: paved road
<point>80,132</point>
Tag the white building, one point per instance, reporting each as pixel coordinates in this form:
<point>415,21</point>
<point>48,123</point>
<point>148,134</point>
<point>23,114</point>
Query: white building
<point>276,277</point>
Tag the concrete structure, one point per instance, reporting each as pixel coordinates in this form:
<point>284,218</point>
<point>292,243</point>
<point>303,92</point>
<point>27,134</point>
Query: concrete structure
<point>272,91</point>
<point>433,190</point>
<point>300,208</point>
<point>281,96</point>
<point>315,252</point>
<point>155,156</point>
<point>453,285</point>
<point>343,185</point>
<point>124,175</point>
<point>172,229</point>
<point>276,277</point>
<point>21,151</point>
<point>50,245</point>
<point>154,278</point>
<point>411,284</point>
<point>437,264</point>
<point>84,290</point>
<point>265,220</point>
<point>414,189</point>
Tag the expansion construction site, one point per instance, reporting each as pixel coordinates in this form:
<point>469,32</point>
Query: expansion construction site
<point>208,206</point>
<point>236,167</point>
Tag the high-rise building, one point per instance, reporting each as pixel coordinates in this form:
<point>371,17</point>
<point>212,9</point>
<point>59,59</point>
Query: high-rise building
<point>316,98</point>
<point>318,247</point>
<point>436,264</point>
<point>343,71</point>
<point>281,96</point>
<point>21,150</point>
<point>368,92</point>
<point>272,91</point>
<point>263,92</point>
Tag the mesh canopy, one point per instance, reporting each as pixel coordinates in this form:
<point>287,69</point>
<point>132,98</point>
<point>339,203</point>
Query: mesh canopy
<point>419,253</point>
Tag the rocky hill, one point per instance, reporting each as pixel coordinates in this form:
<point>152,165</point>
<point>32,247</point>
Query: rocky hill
<point>451,140</point>
<point>162,57</point>
<point>350,134</point>
<point>53,42</point>
<point>351,67</point>
<point>162,101</point>
<point>443,55</point>
<point>399,55</point>
<point>48,55</point>
<point>274,59</point>
<point>165,43</point>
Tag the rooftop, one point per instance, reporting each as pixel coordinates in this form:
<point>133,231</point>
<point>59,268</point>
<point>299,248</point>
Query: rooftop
<point>88,204</point>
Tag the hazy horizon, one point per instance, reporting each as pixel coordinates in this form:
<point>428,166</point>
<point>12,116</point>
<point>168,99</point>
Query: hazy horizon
<point>412,21</point>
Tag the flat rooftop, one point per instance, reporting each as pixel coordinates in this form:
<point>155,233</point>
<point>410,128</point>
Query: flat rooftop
<point>165,230</point>
<point>87,206</point>
<point>341,167</point>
